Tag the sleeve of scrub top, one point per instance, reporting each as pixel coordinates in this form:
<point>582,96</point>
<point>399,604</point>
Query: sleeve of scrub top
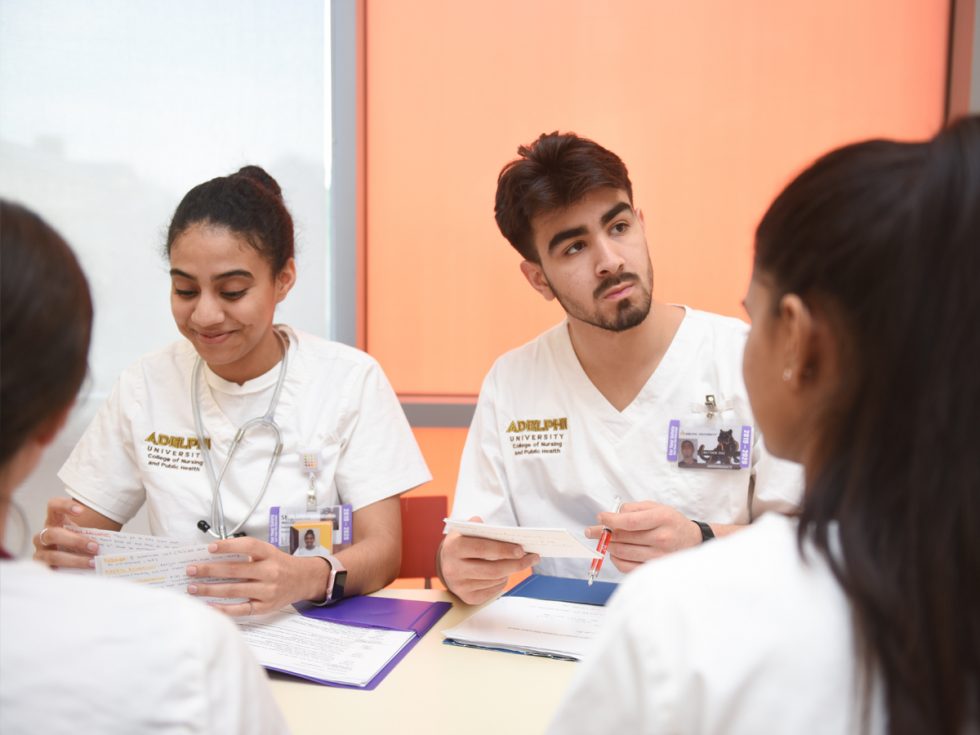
<point>102,470</point>
<point>238,693</point>
<point>482,489</point>
<point>380,457</point>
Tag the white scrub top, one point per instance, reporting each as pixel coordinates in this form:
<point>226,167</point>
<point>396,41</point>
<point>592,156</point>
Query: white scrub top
<point>80,654</point>
<point>546,449</point>
<point>142,446</point>
<point>739,636</point>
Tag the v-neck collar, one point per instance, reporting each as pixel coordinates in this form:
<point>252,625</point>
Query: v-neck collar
<point>217,424</point>
<point>656,385</point>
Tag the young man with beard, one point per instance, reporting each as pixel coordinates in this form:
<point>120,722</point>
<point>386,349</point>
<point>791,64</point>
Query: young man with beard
<point>592,412</point>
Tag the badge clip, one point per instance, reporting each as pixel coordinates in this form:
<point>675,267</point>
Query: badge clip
<point>311,465</point>
<point>711,405</point>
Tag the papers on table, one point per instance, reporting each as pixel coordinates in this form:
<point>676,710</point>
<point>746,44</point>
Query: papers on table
<point>316,649</point>
<point>354,643</point>
<point>530,625</point>
<point>546,542</point>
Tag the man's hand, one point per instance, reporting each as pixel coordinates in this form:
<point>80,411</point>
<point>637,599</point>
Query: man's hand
<point>643,531</point>
<point>476,569</point>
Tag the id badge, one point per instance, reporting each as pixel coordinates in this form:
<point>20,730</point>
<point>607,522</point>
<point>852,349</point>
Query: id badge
<point>322,532</point>
<point>717,440</point>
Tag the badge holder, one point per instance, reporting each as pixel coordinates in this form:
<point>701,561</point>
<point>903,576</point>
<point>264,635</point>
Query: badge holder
<point>713,438</point>
<point>317,530</point>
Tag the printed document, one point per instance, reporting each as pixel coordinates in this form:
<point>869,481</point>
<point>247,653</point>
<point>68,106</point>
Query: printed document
<point>318,649</point>
<point>118,542</point>
<point>530,625</point>
<point>546,542</point>
<point>166,568</point>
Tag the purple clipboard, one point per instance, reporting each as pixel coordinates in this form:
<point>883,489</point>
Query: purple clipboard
<point>389,613</point>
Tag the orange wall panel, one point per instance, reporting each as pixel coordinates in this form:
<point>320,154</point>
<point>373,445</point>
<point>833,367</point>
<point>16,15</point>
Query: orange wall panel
<point>442,449</point>
<point>713,106</point>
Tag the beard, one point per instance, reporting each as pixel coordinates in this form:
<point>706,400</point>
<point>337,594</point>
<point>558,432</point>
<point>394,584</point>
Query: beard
<point>630,312</point>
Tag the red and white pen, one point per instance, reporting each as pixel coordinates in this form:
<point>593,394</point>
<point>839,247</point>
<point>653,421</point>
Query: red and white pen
<point>602,546</point>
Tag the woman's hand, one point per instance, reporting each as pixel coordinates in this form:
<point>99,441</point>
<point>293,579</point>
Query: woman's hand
<point>270,579</point>
<point>58,546</point>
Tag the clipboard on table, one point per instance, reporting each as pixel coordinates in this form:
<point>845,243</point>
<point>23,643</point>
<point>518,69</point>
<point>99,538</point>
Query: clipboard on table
<point>499,625</point>
<point>385,613</point>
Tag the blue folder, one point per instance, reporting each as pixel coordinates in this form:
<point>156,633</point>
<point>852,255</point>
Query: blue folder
<point>389,613</point>
<point>559,589</point>
<point>563,589</point>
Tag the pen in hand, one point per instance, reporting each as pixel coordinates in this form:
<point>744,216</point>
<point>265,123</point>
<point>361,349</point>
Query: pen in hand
<point>602,546</point>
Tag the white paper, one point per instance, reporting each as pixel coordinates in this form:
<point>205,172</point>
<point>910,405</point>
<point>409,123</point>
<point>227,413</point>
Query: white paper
<point>118,542</point>
<point>556,543</point>
<point>530,625</point>
<point>341,654</point>
<point>166,568</point>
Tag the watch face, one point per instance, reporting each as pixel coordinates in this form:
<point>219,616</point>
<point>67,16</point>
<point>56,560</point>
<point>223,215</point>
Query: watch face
<point>339,581</point>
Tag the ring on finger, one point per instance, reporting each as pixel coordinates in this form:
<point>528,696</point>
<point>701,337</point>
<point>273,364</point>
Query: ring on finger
<point>250,606</point>
<point>40,537</point>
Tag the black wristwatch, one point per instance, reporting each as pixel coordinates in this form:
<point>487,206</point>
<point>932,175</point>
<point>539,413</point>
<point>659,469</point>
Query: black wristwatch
<point>336,580</point>
<point>706,532</point>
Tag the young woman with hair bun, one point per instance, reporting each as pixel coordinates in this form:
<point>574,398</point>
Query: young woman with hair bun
<point>238,384</point>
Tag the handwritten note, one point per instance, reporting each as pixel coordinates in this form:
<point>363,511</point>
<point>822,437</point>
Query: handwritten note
<point>546,542</point>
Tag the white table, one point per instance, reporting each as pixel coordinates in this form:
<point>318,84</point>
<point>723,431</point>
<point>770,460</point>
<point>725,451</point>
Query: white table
<point>435,689</point>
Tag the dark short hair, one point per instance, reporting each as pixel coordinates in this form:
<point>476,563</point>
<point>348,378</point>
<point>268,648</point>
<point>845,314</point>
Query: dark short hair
<point>45,325</point>
<point>882,240</point>
<point>553,172</point>
<point>249,203</point>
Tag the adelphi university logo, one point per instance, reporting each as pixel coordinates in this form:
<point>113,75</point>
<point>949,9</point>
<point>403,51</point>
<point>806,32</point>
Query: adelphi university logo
<point>538,425</point>
<point>174,452</point>
<point>536,437</point>
<point>177,442</point>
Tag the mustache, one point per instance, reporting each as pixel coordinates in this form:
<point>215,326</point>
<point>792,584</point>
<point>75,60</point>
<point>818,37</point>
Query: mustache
<point>608,283</point>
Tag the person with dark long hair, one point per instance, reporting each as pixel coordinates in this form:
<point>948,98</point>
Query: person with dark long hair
<point>244,421</point>
<point>77,653</point>
<point>862,614</point>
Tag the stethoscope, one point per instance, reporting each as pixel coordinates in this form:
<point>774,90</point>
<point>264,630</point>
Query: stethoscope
<point>218,527</point>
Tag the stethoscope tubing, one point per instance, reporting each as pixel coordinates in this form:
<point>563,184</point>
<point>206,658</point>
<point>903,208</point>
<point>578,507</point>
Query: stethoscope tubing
<point>218,522</point>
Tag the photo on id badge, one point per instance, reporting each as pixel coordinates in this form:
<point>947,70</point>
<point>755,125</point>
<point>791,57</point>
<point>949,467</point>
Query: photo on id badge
<point>321,532</point>
<point>306,538</point>
<point>713,442</point>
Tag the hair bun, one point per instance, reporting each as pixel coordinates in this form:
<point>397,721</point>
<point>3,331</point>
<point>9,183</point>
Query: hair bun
<point>260,177</point>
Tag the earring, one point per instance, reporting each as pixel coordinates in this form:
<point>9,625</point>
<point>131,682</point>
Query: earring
<point>787,375</point>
